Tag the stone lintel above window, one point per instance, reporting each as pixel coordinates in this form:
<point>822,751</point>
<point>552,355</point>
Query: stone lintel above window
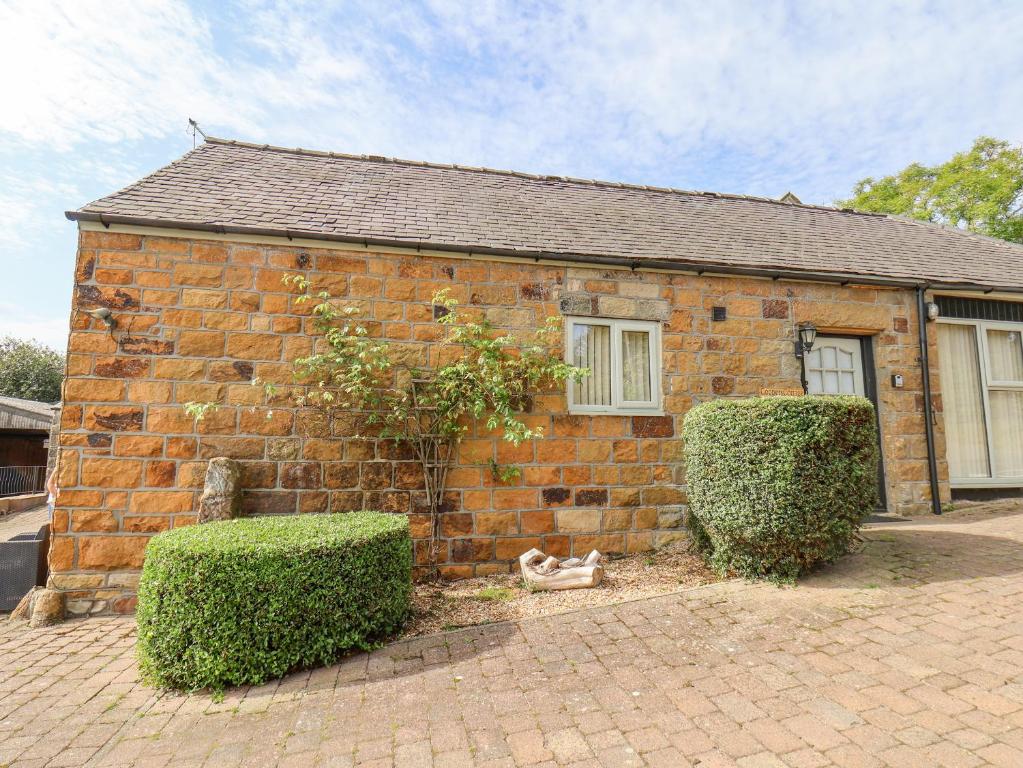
<point>618,307</point>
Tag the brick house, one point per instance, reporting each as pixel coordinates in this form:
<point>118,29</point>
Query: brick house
<point>669,297</point>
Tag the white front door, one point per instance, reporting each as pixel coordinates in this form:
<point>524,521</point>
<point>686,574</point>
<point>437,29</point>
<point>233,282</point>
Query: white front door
<point>835,367</point>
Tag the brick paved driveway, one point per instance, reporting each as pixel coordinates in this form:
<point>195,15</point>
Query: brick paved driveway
<point>907,654</point>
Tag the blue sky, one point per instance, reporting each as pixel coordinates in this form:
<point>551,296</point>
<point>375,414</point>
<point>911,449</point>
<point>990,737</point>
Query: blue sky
<point>752,97</point>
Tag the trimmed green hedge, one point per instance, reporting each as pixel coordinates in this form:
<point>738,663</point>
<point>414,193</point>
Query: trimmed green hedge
<point>248,600</point>
<point>778,484</point>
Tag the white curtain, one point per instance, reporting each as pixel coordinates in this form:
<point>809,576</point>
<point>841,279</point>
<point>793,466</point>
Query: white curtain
<point>1004,349</point>
<point>965,433</point>
<point>1007,431</point>
<point>592,349</point>
<point>636,366</point>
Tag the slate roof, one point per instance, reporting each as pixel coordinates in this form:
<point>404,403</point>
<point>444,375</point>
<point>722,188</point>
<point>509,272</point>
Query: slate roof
<point>237,187</point>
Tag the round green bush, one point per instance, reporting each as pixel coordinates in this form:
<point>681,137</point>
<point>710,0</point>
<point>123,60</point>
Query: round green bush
<point>779,484</point>
<point>248,600</point>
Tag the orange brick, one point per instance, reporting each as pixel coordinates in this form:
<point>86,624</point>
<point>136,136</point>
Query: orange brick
<point>201,275</point>
<point>111,473</point>
<point>138,445</point>
<point>201,343</point>
<point>67,472</point>
<point>537,521</point>
<point>62,553</point>
<point>78,498</point>
<point>150,279</point>
<point>499,523</point>
<point>515,498</point>
<point>583,544</point>
<point>113,276</point>
<point>549,451</point>
<point>116,418</point>
<point>160,474</point>
<point>179,370</point>
<point>111,553</point>
<point>149,392</point>
<point>254,346</point>
<point>161,501</point>
<point>169,245</point>
<point>594,451</point>
<point>88,341</point>
<point>181,447</point>
<point>571,426</point>
<point>110,240</point>
<point>209,252</point>
<point>226,321</point>
<point>162,420</point>
<point>511,548</point>
<point>59,523</point>
<point>145,523</point>
<point>93,521</point>
<point>203,298</point>
<point>93,390</point>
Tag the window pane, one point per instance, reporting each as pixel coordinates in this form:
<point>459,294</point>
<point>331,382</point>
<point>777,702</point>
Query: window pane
<point>965,433</point>
<point>636,366</point>
<point>1004,349</point>
<point>591,348</point>
<point>1007,432</point>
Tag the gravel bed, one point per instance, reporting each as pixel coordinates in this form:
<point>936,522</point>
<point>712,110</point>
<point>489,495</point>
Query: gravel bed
<point>439,606</point>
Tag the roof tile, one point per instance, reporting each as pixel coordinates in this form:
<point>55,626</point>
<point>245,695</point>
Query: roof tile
<point>318,194</point>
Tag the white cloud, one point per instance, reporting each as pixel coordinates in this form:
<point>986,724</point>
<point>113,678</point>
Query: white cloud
<point>760,96</point>
<point>750,96</point>
<point>48,325</point>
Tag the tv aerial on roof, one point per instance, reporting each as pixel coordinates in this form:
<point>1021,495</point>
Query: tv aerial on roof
<point>194,127</point>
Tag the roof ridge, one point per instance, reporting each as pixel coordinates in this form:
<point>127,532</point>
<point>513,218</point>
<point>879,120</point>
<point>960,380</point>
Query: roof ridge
<point>301,152</point>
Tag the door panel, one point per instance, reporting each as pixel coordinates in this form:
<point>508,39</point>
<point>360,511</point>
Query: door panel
<point>835,367</point>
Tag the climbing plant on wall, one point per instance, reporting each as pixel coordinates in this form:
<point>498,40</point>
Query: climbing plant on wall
<point>483,377</point>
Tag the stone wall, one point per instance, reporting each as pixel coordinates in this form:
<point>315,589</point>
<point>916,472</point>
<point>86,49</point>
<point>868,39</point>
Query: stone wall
<point>197,319</point>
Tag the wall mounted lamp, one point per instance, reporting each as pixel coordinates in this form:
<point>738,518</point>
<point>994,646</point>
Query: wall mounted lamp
<point>807,333</point>
<point>105,315</point>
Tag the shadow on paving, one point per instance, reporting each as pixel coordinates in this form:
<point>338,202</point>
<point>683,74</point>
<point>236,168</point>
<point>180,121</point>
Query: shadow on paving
<point>906,557</point>
<point>418,654</point>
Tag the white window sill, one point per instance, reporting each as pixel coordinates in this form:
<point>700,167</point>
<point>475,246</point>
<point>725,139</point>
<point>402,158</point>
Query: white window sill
<point>615,412</point>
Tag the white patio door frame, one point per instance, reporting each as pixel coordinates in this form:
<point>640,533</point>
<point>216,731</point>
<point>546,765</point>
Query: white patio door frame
<point>980,328</point>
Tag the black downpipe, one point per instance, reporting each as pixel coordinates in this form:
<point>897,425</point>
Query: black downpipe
<point>925,370</point>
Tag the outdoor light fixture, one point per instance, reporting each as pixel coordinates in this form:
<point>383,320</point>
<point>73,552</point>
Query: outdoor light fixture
<point>105,315</point>
<point>807,336</point>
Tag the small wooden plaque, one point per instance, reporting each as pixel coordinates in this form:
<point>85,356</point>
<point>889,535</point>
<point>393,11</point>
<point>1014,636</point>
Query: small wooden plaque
<point>781,392</point>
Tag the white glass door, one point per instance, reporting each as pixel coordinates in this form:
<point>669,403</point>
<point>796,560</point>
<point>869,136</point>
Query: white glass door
<point>981,367</point>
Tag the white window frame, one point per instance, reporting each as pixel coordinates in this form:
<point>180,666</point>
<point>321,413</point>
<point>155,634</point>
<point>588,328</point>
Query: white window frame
<point>619,406</point>
<point>987,384</point>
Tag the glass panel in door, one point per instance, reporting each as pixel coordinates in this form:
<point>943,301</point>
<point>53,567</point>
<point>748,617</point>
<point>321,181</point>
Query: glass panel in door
<point>1005,356</point>
<point>963,401</point>
<point>1007,431</point>
<point>835,367</point>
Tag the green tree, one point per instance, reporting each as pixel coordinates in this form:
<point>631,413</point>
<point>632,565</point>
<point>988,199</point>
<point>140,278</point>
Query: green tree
<point>980,190</point>
<point>30,370</point>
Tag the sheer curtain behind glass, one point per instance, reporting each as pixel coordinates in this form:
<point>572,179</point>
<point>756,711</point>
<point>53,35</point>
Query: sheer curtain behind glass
<point>636,366</point>
<point>1003,347</point>
<point>1005,350</point>
<point>591,348</point>
<point>965,435</point>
